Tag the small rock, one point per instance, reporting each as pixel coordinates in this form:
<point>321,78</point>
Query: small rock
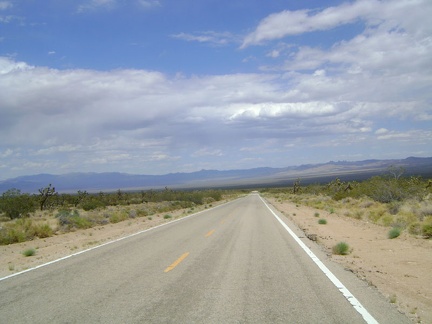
<point>312,237</point>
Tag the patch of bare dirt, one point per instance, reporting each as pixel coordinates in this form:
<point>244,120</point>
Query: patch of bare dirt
<point>400,268</point>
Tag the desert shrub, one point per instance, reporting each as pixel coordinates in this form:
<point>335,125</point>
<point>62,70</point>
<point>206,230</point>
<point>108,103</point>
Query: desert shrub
<point>142,212</point>
<point>394,207</point>
<point>81,222</point>
<point>366,204</point>
<point>427,230</point>
<point>316,214</point>
<point>382,189</point>
<point>394,232</point>
<point>15,204</point>
<point>23,230</point>
<point>43,230</point>
<point>64,216</point>
<point>341,248</point>
<point>119,216</point>
<point>376,213</point>
<point>12,235</point>
<point>340,195</point>
<point>72,219</point>
<point>404,219</point>
<point>358,214</point>
<point>29,252</point>
<point>92,204</point>
<point>167,216</point>
<point>424,210</point>
<point>133,213</point>
<point>386,220</point>
<point>322,221</point>
<point>415,228</point>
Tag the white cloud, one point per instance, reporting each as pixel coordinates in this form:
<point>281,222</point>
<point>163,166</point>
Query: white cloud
<point>381,131</point>
<point>11,18</point>
<point>148,4</point>
<point>285,23</point>
<point>97,4</point>
<point>393,14</point>
<point>412,136</point>
<point>8,152</point>
<point>5,5</point>
<point>129,107</point>
<point>274,53</point>
<point>207,152</point>
<point>211,37</point>
<point>7,65</point>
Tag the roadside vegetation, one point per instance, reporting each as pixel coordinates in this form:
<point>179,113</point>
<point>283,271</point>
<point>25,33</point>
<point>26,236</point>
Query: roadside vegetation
<point>24,217</point>
<point>404,204</point>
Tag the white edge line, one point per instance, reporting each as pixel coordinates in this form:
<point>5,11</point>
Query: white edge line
<point>110,242</point>
<point>345,292</point>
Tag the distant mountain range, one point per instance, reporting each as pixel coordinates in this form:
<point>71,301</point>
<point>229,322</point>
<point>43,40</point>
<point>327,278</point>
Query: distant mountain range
<point>257,177</point>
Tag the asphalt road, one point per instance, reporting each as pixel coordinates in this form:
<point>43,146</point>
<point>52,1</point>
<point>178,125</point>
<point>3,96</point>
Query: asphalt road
<point>234,263</point>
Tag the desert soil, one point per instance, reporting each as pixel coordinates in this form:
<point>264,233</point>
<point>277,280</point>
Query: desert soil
<point>400,268</point>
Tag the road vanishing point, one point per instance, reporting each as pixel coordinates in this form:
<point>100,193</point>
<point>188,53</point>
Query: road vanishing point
<point>240,262</point>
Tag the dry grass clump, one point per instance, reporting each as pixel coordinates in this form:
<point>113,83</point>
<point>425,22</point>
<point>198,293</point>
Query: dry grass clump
<point>24,229</point>
<point>341,248</point>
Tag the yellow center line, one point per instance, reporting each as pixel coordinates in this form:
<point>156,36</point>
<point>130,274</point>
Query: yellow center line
<point>177,262</point>
<point>209,233</point>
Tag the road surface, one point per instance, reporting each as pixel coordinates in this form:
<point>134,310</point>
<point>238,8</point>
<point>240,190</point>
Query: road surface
<point>235,263</point>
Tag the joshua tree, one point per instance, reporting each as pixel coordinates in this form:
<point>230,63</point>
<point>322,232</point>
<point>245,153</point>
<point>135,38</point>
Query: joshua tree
<point>296,188</point>
<point>348,187</point>
<point>45,193</point>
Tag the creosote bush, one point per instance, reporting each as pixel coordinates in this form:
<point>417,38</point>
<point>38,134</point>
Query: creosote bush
<point>322,221</point>
<point>341,248</point>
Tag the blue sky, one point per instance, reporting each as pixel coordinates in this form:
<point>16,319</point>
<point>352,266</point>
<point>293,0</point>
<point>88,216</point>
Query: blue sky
<point>152,87</point>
